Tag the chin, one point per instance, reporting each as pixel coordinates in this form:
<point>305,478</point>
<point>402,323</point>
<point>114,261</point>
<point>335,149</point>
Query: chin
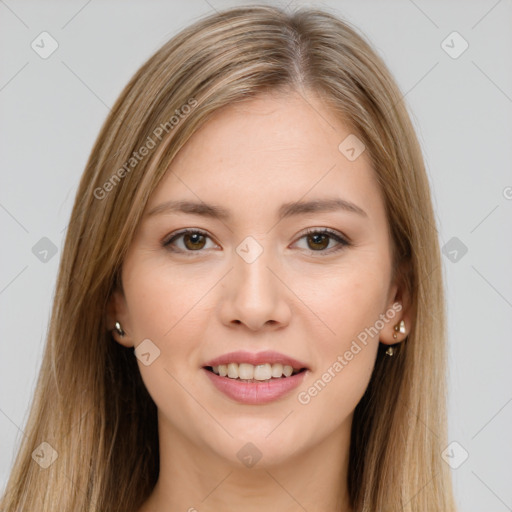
<point>261,451</point>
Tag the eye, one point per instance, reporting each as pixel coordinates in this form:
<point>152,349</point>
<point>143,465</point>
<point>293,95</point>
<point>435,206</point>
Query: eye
<point>319,239</point>
<point>193,241</point>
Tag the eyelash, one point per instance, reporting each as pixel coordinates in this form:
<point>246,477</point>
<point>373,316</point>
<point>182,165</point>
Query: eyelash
<point>343,242</point>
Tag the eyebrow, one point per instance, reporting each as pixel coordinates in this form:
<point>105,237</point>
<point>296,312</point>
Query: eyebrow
<point>286,210</point>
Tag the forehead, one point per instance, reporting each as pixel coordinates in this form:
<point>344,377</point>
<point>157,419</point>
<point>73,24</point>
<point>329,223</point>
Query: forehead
<point>274,148</point>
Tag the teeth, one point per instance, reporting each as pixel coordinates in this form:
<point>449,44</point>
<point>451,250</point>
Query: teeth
<point>232,370</point>
<point>246,371</point>
<point>287,370</point>
<point>277,370</point>
<point>262,372</point>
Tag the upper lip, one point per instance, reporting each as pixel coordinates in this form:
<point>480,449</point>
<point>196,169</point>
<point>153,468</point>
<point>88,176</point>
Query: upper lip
<point>268,356</point>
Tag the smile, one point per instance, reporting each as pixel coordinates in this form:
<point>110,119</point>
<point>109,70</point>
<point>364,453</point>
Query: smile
<point>249,372</point>
<point>255,391</point>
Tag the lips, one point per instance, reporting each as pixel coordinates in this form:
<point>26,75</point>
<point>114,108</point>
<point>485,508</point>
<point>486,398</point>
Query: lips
<point>254,392</point>
<point>255,359</point>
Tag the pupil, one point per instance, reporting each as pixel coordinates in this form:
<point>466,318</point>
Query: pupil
<point>195,237</point>
<point>316,237</point>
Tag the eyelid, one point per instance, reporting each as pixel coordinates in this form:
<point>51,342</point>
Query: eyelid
<point>333,232</point>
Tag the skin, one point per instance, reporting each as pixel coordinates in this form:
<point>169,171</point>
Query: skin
<point>298,297</point>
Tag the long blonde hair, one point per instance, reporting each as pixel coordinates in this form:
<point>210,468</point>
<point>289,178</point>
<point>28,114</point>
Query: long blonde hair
<point>91,405</point>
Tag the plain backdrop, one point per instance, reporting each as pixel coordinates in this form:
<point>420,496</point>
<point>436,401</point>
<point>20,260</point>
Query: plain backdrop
<point>460,100</point>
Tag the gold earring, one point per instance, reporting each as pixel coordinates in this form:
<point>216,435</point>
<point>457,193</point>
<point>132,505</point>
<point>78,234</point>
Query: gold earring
<point>400,327</point>
<point>390,351</point>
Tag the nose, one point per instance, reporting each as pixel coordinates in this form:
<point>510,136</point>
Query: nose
<point>255,294</point>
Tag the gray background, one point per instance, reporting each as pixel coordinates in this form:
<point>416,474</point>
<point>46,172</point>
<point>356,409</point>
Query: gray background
<point>52,110</point>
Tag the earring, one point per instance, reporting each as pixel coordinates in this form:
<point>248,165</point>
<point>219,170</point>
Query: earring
<point>390,351</point>
<point>399,328</point>
<point>119,329</point>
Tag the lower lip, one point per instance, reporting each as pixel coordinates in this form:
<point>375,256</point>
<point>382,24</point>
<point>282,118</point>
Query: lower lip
<point>256,393</point>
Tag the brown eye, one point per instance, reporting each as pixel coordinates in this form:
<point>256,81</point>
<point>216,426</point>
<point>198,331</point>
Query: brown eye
<point>319,241</point>
<point>193,241</point>
<point>190,240</point>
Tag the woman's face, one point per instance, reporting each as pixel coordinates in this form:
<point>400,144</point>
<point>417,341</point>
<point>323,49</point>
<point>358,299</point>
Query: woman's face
<point>250,278</point>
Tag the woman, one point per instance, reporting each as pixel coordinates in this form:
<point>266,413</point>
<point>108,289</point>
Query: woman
<point>249,310</point>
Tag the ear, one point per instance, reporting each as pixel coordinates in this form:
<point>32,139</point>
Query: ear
<point>399,308</point>
<point>117,311</point>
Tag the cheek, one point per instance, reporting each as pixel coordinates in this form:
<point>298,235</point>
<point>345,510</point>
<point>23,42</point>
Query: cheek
<point>347,302</point>
<point>346,352</point>
<point>161,300</point>
<point>169,307</point>
<point>165,306</point>
<point>348,305</point>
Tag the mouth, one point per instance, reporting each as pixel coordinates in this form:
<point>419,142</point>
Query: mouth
<point>255,378</point>
<point>261,390</point>
<point>246,372</point>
